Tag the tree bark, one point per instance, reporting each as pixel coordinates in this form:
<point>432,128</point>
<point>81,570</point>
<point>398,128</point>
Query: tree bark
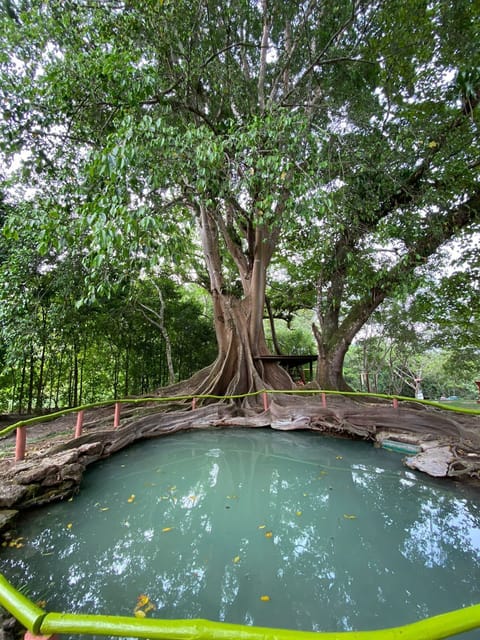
<point>331,356</point>
<point>238,321</point>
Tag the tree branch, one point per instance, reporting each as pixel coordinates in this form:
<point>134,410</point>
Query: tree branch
<point>438,230</point>
<point>317,60</point>
<point>263,57</point>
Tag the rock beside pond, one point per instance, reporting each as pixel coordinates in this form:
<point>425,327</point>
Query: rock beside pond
<point>7,516</point>
<point>10,628</point>
<point>435,461</point>
<point>11,493</point>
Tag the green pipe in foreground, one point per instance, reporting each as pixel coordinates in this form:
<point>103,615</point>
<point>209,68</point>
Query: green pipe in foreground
<point>42,623</point>
<point>25,611</point>
<point>436,628</point>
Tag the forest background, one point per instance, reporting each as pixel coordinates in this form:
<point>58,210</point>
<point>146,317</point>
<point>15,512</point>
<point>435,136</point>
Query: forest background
<point>188,183</point>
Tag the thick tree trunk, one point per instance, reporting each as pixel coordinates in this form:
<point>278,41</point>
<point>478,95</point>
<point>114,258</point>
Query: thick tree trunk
<point>238,368</point>
<point>331,356</point>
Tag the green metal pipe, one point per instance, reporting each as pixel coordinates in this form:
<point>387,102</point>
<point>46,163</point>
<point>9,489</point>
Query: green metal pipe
<point>39,622</point>
<point>25,611</point>
<point>435,628</point>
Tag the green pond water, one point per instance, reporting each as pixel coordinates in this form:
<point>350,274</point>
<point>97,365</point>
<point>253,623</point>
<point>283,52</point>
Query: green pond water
<point>259,527</point>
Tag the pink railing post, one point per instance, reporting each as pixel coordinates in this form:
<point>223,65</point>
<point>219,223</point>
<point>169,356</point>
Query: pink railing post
<point>20,444</point>
<point>79,424</point>
<point>29,635</point>
<point>265,401</point>
<point>324,400</point>
<point>116,418</point>
<point>395,403</point>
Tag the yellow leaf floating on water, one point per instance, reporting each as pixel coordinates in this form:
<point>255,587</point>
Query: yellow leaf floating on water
<point>131,498</point>
<point>265,598</point>
<point>262,526</point>
<point>104,508</point>
<point>349,516</point>
<point>142,600</point>
<point>166,529</point>
<point>14,544</point>
<point>268,534</point>
<point>69,525</point>
<point>236,559</point>
<point>298,513</point>
<point>143,606</point>
<point>338,457</point>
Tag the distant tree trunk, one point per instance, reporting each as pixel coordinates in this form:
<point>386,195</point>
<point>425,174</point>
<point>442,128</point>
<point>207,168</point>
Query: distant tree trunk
<point>59,378</point>
<point>41,369</point>
<point>271,320</point>
<point>22,385</point>
<point>74,401</point>
<point>31,382</point>
<point>40,380</point>
<point>82,366</point>
<point>157,318</point>
<point>126,387</point>
<point>116,367</point>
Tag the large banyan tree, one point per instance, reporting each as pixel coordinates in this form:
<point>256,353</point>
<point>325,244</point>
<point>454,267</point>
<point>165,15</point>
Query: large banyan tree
<point>331,141</point>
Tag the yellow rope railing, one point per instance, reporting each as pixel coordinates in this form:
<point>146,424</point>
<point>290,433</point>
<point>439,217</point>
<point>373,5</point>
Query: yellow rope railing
<point>21,433</point>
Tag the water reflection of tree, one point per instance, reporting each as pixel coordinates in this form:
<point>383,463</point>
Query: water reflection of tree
<point>197,525</point>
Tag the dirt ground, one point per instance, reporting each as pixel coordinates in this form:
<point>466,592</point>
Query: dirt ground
<point>44,435</point>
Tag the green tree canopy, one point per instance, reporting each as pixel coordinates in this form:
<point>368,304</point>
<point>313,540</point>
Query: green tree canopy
<point>336,138</point>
